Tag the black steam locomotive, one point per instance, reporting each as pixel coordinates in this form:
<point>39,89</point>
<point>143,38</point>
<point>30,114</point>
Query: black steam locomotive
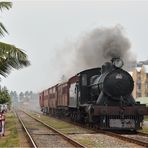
<point>101,97</point>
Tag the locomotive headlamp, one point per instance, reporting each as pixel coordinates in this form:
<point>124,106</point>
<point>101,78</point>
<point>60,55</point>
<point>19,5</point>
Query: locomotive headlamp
<point>117,62</point>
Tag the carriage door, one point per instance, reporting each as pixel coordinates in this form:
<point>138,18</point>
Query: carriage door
<point>73,95</point>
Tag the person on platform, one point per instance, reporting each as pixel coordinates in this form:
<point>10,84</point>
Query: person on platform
<point>2,123</point>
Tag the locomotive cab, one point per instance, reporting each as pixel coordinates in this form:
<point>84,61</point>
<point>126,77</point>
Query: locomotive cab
<point>79,87</point>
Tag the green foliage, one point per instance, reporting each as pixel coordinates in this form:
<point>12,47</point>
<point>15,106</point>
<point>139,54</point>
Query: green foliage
<point>2,29</point>
<point>4,96</point>
<point>4,5</point>
<point>10,56</point>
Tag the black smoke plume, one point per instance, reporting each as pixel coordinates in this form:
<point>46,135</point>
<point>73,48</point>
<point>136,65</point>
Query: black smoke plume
<point>94,48</point>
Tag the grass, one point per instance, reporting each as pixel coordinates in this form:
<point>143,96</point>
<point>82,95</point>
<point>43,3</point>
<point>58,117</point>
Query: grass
<point>55,123</point>
<point>86,141</point>
<point>146,118</point>
<point>62,126</point>
<point>11,138</point>
<point>145,130</point>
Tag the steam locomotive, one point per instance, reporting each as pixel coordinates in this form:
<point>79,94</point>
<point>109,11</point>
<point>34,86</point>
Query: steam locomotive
<point>101,97</point>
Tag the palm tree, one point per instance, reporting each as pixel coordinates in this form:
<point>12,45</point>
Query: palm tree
<point>10,56</point>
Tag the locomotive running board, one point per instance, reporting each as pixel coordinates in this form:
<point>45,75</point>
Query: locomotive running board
<point>112,110</point>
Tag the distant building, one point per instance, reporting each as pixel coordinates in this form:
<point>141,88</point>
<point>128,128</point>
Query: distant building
<point>140,76</point>
<point>140,63</point>
<point>144,81</point>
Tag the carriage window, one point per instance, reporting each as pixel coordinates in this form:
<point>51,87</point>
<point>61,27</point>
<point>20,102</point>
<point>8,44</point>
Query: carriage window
<point>54,90</point>
<point>84,80</point>
<point>64,90</point>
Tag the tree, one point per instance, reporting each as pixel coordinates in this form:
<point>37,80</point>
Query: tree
<point>4,96</point>
<point>14,98</point>
<point>10,56</point>
<point>21,96</point>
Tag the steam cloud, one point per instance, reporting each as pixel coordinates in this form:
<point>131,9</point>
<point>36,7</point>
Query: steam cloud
<point>95,48</point>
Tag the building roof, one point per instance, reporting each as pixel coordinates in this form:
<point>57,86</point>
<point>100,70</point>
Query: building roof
<point>145,68</point>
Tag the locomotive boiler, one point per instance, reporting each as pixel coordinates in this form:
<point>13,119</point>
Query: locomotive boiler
<point>113,86</point>
<point>101,97</point>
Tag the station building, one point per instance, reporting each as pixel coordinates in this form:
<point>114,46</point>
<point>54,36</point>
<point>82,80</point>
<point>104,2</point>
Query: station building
<point>140,76</point>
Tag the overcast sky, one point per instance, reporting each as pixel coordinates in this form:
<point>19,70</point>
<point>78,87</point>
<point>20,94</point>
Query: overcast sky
<point>41,28</point>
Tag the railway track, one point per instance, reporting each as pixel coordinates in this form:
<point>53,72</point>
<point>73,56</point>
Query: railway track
<point>43,135</point>
<point>136,138</point>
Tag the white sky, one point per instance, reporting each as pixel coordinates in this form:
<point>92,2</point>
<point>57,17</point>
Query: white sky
<point>42,27</point>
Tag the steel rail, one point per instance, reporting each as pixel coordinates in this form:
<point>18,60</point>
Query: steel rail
<point>142,134</point>
<point>73,142</point>
<point>131,140</point>
<point>28,134</point>
<point>113,134</point>
<point>128,139</point>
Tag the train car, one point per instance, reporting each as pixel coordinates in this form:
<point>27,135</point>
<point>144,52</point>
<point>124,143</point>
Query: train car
<point>45,101</point>
<point>48,100</point>
<point>101,97</point>
<point>62,98</point>
<point>52,99</point>
<point>41,100</point>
